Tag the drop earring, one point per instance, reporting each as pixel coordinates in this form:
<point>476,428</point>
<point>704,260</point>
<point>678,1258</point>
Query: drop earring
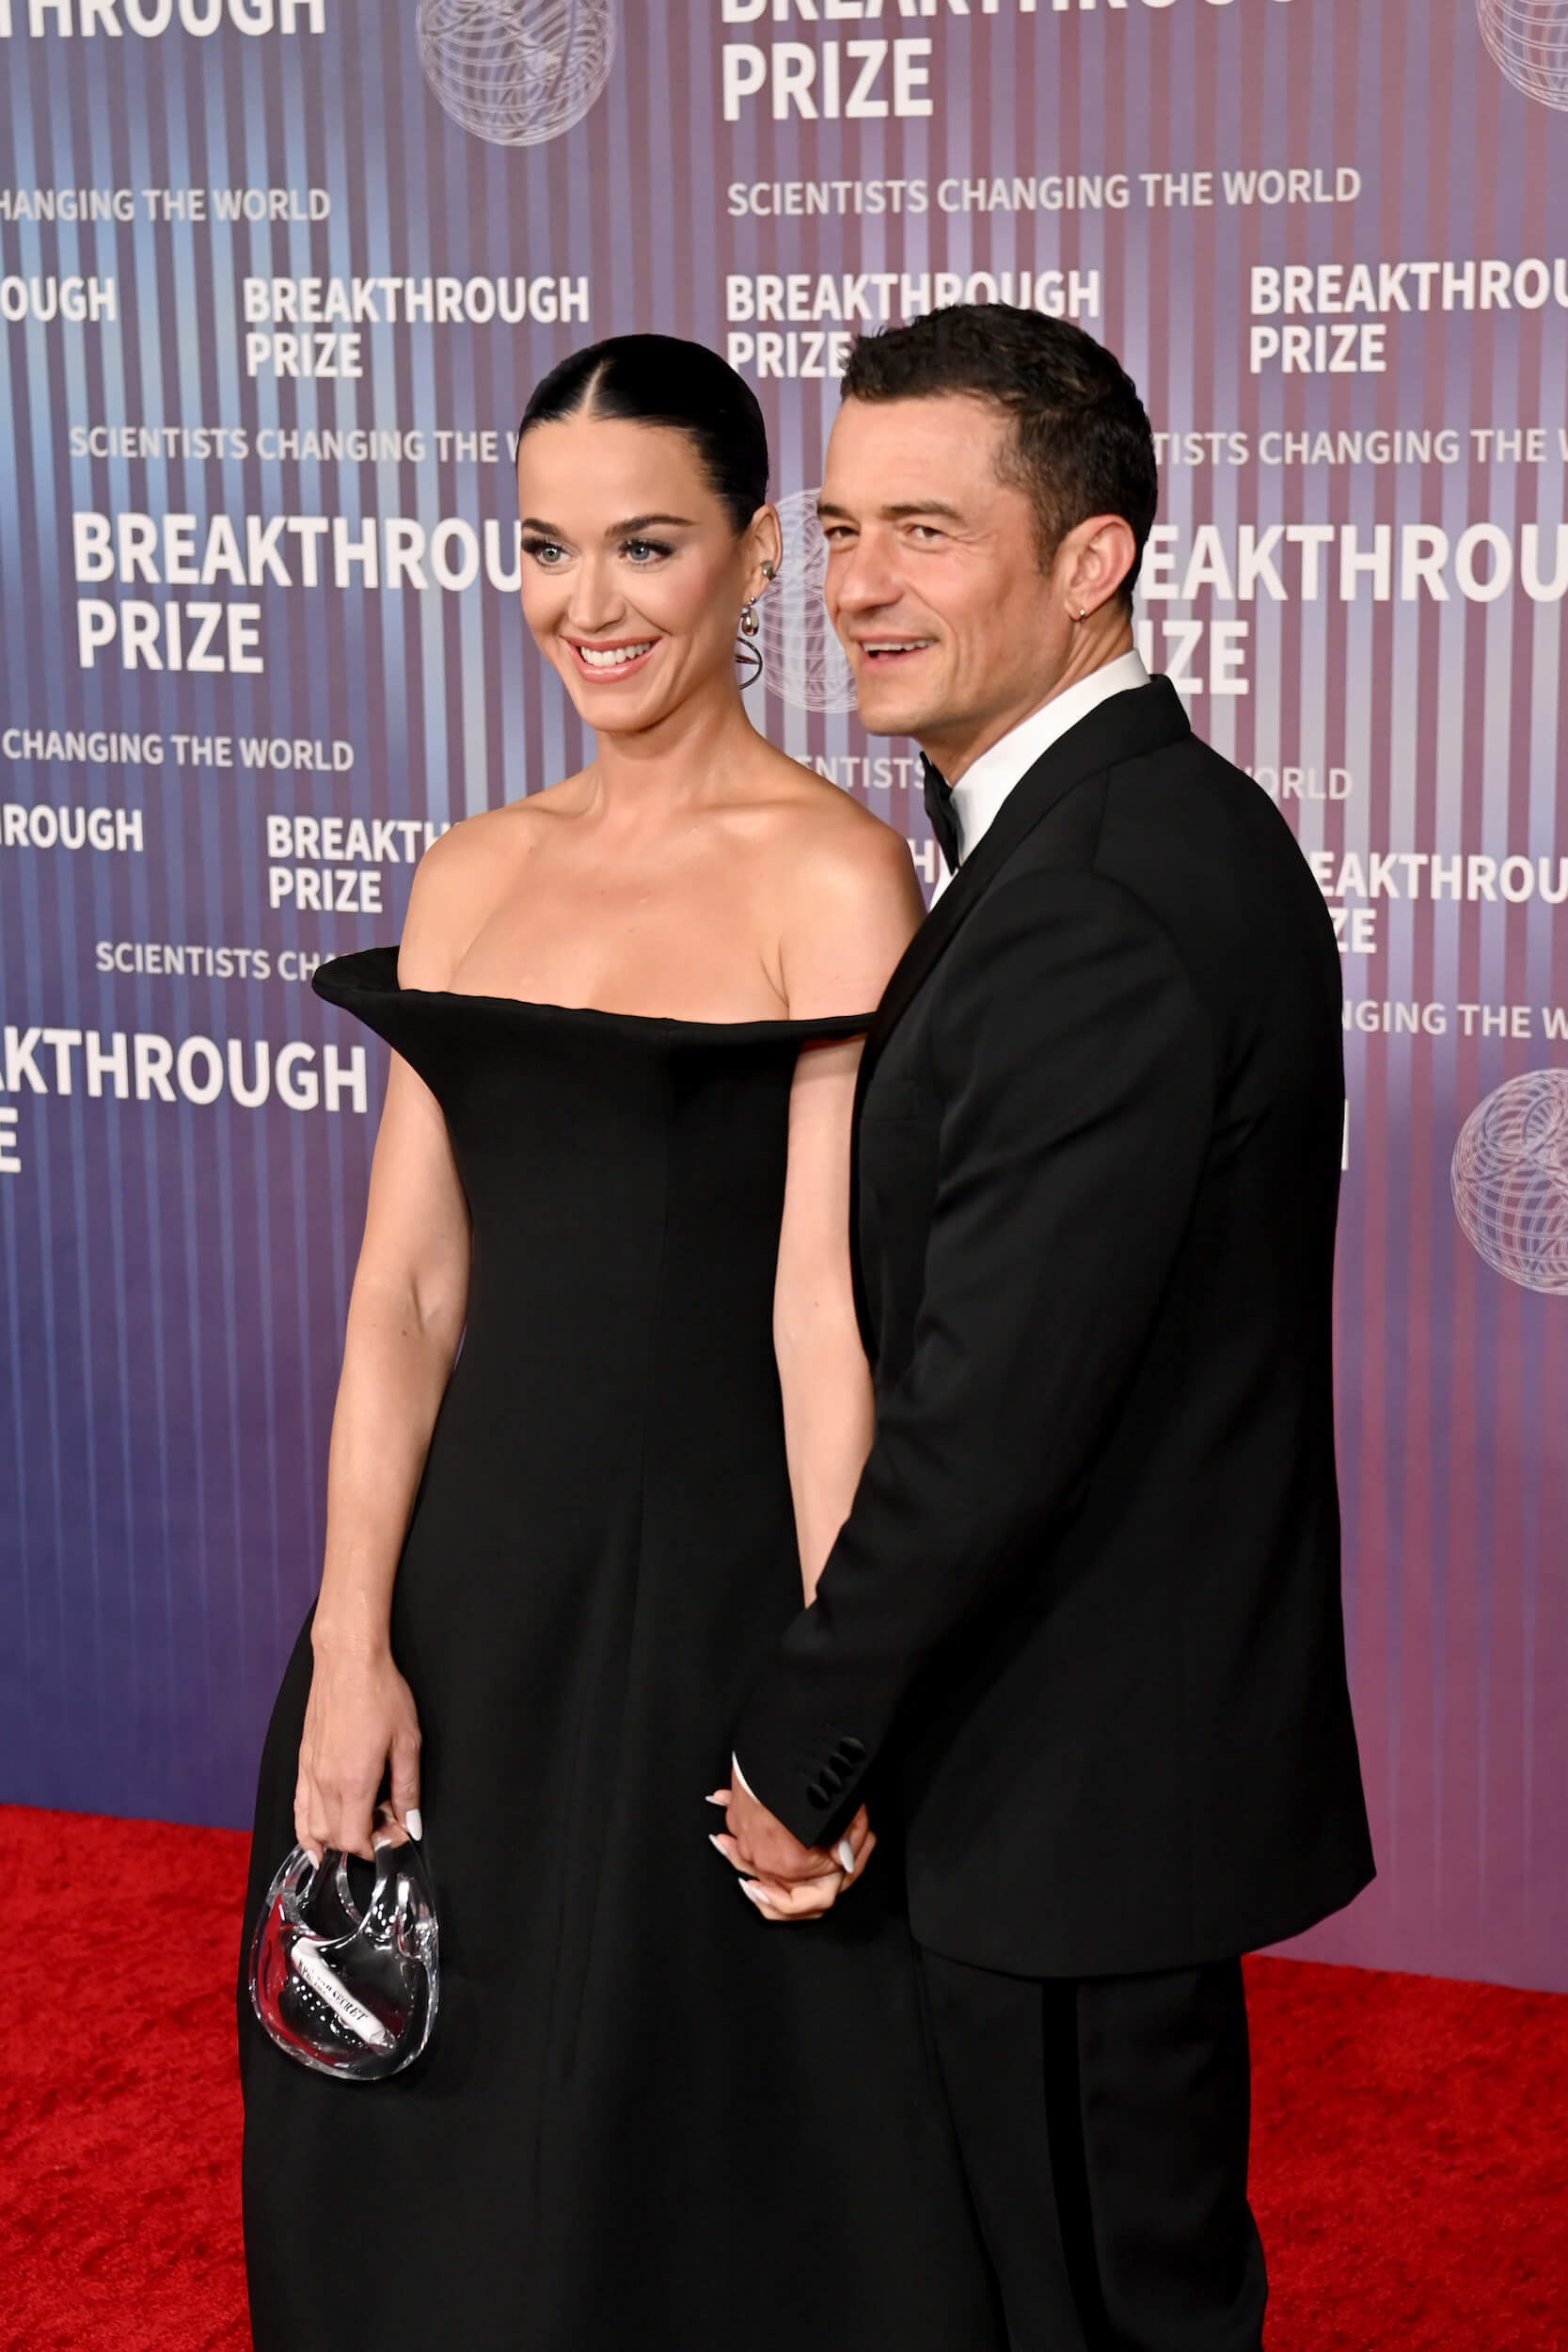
<point>747,649</point>
<point>748,653</point>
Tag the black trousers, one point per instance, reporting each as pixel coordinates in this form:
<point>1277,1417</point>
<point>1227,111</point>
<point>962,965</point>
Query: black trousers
<point>1104,2123</point>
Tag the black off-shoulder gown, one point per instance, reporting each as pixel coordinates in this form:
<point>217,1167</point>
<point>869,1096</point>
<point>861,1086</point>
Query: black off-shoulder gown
<point>648,2121</point>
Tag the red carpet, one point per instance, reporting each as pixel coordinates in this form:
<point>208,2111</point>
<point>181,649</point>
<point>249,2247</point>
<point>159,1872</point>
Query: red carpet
<point>1410,2149</point>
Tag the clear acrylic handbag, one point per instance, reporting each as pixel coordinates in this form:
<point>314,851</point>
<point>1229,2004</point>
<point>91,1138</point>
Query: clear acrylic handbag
<point>348,1982</point>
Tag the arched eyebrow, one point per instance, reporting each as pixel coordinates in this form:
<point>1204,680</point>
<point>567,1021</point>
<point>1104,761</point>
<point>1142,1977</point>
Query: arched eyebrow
<point>646,522</point>
<point>615,531</point>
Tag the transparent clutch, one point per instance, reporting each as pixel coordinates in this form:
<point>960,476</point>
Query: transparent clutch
<point>345,1975</point>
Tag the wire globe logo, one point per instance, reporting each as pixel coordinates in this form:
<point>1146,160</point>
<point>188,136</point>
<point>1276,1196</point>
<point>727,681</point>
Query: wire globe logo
<point>516,71</point>
<point>805,664</point>
<point>1511,1180</point>
<point>1529,41</point>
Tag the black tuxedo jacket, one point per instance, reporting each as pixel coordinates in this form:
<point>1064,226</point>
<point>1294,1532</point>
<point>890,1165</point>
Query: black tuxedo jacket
<point>1088,1594</point>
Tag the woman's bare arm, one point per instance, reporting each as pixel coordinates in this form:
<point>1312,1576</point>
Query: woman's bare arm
<point>822,1367</point>
<point>405,1322</point>
<point>856,915</point>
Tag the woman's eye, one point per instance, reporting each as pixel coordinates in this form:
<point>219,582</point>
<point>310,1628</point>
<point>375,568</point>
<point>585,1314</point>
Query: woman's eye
<point>644,550</point>
<point>545,551</point>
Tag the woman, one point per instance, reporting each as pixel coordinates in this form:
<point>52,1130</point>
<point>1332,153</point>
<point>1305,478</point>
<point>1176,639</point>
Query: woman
<point>614,1162</point>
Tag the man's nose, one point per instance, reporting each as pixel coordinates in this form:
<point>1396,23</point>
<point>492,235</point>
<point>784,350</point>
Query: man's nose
<point>862,576</point>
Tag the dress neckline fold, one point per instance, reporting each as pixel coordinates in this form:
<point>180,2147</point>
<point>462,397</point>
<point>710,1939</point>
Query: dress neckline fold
<point>373,971</point>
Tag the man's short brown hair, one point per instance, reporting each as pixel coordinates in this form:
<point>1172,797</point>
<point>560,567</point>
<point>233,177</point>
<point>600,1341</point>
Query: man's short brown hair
<point>1081,443</point>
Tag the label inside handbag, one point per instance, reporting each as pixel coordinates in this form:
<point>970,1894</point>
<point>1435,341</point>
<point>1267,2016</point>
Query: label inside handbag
<point>307,1961</point>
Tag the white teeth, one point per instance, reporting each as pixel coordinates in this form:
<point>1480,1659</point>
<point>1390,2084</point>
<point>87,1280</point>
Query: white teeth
<point>912,645</point>
<point>613,657</point>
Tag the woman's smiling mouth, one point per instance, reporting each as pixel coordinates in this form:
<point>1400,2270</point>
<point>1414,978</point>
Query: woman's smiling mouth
<point>612,661</point>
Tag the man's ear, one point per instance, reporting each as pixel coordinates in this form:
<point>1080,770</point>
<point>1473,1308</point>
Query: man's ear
<point>1100,552</point>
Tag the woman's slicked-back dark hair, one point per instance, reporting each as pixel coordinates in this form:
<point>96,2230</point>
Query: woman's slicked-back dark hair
<point>1081,441</point>
<point>661,380</point>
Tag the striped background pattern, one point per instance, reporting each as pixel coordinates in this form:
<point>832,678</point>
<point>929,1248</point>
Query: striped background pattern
<point>175,1277</point>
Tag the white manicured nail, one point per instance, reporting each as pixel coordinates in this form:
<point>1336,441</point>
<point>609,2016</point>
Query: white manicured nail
<point>843,1853</point>
<point>416,1822</point>
<point>752,1891</point>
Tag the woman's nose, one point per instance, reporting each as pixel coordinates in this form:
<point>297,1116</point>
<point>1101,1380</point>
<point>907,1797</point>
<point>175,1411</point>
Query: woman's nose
<point>596,602</point>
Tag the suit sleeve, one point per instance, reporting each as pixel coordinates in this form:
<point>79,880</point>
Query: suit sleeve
<point>1076,1070</point>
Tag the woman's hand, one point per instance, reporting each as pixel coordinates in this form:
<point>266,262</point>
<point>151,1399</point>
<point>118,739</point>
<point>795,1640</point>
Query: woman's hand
<point>821,1878</point>
<point>811,1899</point>
<point>360,1715</point>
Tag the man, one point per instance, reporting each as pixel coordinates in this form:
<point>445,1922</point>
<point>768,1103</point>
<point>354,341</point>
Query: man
<point>1088,1594</point>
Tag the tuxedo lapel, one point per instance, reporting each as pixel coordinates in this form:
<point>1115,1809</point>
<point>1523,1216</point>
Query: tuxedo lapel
<point>1143,720</point>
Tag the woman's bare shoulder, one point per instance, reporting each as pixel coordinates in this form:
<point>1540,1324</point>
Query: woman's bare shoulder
<point>459,882</point>
<point>829,844</point>
<point>846,900</point>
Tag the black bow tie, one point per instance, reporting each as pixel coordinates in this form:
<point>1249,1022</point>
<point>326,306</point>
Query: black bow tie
<point>943,815</point>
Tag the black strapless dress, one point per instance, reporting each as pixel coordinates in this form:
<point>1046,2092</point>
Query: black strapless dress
<point>648,2121</point>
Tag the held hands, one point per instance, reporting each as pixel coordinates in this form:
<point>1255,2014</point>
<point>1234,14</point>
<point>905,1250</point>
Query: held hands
<point>783,1879</point>
<point>360,1716</point>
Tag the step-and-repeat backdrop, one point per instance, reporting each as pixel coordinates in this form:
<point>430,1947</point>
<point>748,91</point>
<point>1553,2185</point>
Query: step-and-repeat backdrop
<point>275,277</point>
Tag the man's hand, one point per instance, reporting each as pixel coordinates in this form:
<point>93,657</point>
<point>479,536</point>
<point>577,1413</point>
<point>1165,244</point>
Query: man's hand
<point>784,1878</point>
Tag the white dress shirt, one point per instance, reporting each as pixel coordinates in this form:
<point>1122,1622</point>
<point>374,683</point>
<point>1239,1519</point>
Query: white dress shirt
<point>978,795</point>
